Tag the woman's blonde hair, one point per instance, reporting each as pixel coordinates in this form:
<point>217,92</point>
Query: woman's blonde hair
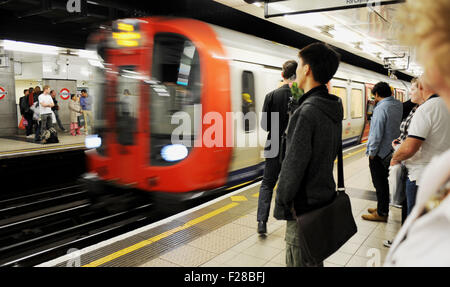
<point>425,25</point>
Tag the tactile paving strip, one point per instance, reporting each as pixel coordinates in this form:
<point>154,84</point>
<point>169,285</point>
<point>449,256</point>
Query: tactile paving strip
<point>235,233</point>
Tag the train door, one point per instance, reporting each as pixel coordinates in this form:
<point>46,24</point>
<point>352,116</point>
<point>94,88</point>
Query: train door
<point>370,106</point>
<point>357,110</point>
<point>339,89</point>
<point>126,98</point>
<point>401,95</point>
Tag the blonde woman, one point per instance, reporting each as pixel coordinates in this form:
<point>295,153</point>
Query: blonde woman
<point>424,238</point>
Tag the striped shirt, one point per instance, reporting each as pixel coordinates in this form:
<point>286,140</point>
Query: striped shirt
<point>405,125</point>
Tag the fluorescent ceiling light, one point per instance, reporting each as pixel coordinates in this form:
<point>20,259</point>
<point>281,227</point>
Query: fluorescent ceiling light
<point>29,47</point>
<point>280,8</point>
<point>88,54</point>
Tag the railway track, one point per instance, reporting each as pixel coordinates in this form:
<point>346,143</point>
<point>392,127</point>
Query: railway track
<point>41,226</point>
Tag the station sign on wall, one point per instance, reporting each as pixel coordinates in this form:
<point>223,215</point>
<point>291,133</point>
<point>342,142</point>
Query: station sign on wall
<point>64,94</point>
<point>291,7</point>
<point>3,93</point>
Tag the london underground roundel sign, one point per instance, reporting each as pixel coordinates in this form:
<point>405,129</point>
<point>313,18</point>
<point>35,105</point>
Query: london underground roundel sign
<point>64,94</point>
<point>3,93</point>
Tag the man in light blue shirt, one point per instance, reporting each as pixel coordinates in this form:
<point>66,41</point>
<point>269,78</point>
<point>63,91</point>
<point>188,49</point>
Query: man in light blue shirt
<point>384,128</point>
<point>86,107</point>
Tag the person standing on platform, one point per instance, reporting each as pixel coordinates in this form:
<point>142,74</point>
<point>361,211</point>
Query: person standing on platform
<point>416,100</point>
<point>423,239</point>
<point>314,134</point>
<point>27,112</point>
<point>275,103</point>
<point>36,93</point>
<point>75,112</point>
<point>55,110</point>
<point>384,128</point>
<point>428,136</point>
<point>86,107</point>
<point>45,109</point>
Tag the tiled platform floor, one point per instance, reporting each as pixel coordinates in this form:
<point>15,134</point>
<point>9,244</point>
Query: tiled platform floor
<point>22,145</point>
<point>237,244</point>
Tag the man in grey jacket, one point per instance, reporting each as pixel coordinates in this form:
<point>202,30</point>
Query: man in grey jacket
<point>314,135</point>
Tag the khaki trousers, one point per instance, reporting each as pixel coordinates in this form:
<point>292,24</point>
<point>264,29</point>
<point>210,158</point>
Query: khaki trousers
<point>294,256</point>
<point>86,115</point>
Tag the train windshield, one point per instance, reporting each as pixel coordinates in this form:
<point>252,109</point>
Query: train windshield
<point>175,94</point>
<point>127,103</point>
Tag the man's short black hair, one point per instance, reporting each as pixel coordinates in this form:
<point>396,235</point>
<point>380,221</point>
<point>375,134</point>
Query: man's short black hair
<point>322,59</point>
<point>83,91</point>
<point>25,91</point>
<point>289,69</point>
<point>382,89</point>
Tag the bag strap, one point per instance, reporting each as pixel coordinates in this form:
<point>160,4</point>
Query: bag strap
<point>341,185</point>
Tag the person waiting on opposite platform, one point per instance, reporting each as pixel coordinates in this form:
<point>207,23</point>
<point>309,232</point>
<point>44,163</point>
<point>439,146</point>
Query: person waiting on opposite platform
<point>75,113</point>
<point>384,128</point>
<point>26,112</point>
<point>55,110</point>
<point>276,102</point>
<point>45,109</point>
<point>86,107</point>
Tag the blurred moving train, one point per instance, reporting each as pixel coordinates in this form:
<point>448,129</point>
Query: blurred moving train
<point>155,68</point>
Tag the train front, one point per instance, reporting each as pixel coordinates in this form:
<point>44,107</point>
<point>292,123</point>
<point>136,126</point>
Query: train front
<point>154,83</point>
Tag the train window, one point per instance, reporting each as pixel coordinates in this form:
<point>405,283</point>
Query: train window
<point>248,101</point>
<point>127,103</point>
<point>341,93</point>
<point>401,96</point>
<point>357,104</point>
<point>175,94</point>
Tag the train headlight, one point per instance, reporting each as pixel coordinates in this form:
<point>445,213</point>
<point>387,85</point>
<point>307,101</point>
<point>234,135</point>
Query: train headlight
<point>93,141</point>
<point>174,152</point>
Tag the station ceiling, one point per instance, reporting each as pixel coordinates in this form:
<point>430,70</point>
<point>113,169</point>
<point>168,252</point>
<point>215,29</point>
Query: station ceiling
<point>48,22</point>
<point>369,31</point>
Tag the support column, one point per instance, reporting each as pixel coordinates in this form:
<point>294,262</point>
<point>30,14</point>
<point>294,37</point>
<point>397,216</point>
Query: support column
<point>8,108</point>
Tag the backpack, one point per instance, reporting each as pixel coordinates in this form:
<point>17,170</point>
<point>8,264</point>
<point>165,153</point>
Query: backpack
<point>293,104</point>
<point>50,136</point>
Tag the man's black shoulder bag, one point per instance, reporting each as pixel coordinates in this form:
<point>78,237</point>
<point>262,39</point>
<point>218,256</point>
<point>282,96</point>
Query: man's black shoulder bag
<point>323,231</point>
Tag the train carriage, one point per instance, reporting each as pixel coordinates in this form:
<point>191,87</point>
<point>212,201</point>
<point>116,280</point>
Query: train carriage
<point>160,73</point>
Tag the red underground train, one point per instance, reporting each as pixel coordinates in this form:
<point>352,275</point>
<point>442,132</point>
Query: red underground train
<point>162,75</point>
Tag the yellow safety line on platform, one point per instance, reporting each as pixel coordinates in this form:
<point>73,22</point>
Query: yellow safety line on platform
<point>156,238</point>
<point>239,185</point>
<point>41,148</point>
<point>352,154</point>
<point>239,198</point>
